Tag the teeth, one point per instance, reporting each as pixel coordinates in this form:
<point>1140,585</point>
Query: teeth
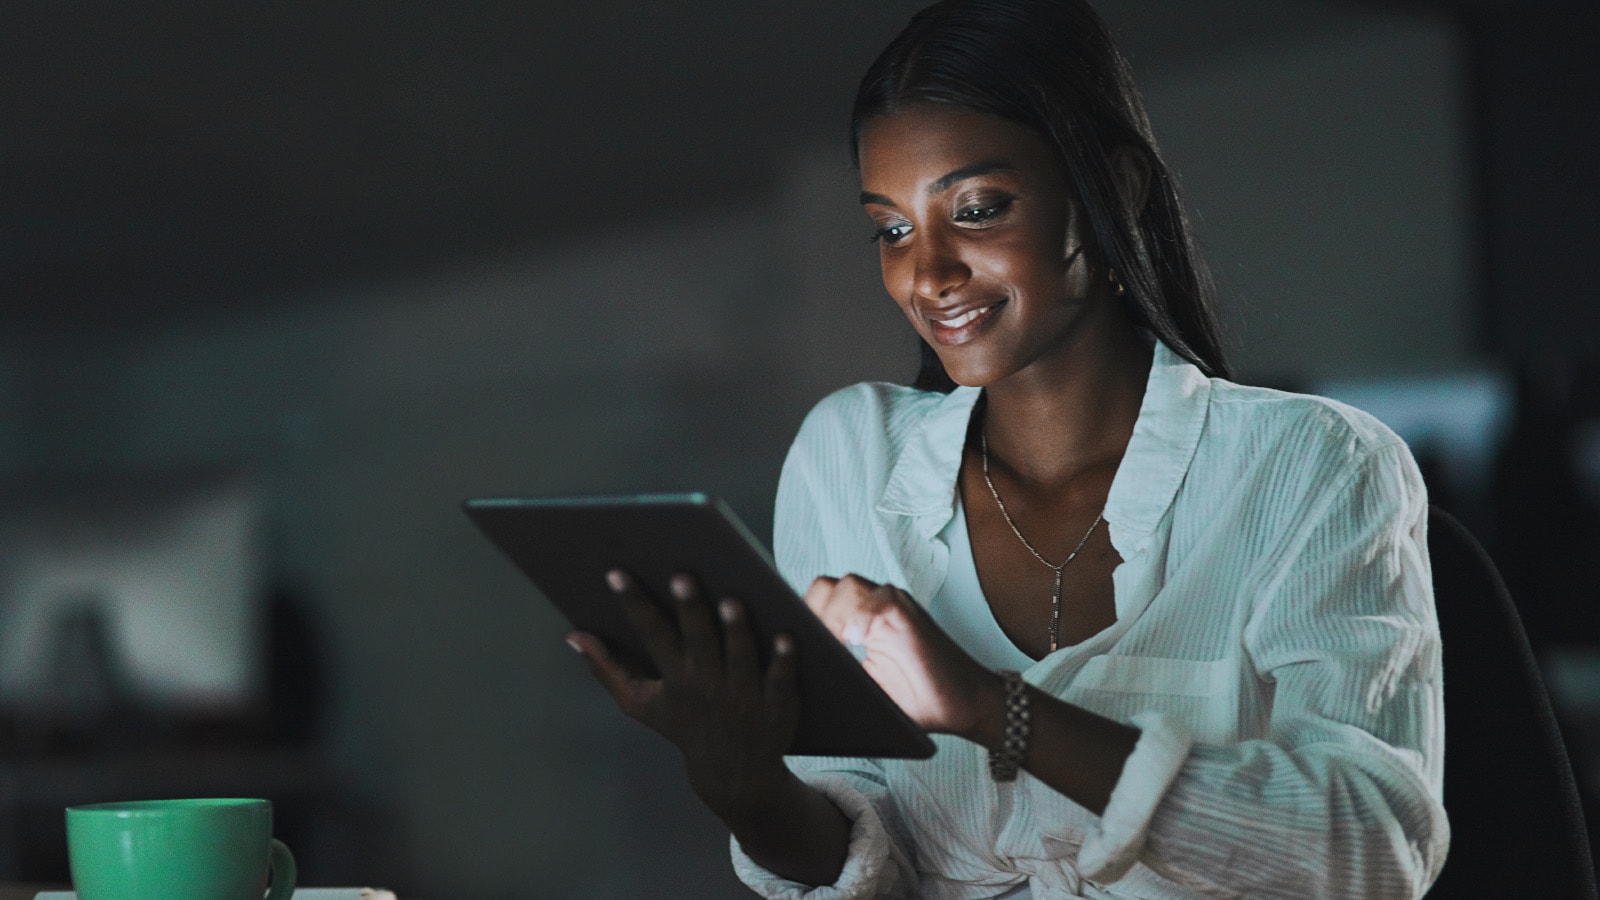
<point>964,318</point>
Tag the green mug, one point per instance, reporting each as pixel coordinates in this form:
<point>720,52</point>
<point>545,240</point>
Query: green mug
<point>177,850</point>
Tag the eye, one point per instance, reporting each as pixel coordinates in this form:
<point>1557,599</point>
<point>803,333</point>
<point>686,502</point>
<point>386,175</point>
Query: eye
<point>978,214</point>
<point>891,234</point>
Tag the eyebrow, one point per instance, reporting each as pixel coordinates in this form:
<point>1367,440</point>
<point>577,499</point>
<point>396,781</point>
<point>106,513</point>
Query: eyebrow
<point>944,182</point>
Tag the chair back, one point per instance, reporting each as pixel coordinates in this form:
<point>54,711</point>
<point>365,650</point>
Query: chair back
<point>1516,820</point>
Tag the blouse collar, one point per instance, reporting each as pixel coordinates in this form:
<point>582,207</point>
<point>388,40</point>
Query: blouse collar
<point>1172,415</point>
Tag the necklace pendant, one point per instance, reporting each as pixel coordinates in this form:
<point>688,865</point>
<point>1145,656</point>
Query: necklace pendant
<point>1055,612</point>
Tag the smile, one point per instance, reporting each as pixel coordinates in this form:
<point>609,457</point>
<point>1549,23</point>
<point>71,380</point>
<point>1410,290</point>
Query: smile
<point>964,318</point>
<point>962,327</point>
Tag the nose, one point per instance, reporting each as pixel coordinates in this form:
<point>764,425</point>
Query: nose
<point>939,268</point>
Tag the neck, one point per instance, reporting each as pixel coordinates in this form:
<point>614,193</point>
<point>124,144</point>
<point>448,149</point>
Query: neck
<point>1071,412</point>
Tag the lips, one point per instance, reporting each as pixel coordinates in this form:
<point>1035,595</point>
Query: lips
<point>962,319</point>
<point>958,326</point>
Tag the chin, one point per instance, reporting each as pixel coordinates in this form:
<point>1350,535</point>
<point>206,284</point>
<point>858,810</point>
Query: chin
<point>974,375</point>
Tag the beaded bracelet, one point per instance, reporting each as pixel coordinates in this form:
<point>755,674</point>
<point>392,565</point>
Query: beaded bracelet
<point>1003,763</point>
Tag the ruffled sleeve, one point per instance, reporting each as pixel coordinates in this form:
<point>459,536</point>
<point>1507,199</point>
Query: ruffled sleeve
<point>1114,845</point>
<point>875,863</point>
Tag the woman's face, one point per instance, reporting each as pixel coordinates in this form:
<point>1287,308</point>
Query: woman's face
<point>979,240</point>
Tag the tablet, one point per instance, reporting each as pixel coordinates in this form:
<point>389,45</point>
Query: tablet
<point>565,545</point>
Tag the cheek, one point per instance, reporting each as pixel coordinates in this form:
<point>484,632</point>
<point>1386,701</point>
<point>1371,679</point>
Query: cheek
<point>1029,264</point>
<point>1037,251</point>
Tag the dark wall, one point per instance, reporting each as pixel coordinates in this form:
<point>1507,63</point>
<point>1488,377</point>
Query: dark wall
<point>1538,87</point>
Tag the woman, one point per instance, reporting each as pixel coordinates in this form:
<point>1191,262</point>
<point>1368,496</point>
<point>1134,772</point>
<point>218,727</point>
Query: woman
<point>1174,636</point>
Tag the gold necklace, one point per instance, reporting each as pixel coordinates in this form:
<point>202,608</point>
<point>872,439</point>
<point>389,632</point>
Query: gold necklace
<point>1055,594</point>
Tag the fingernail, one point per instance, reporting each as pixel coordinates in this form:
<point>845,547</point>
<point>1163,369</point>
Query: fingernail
<point>682,587</point>
<point>783,644</point>
<point>728,609</point>
<point>618,580</point>
<point>573,643</point>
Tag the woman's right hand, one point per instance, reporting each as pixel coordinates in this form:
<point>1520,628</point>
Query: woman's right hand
<point>731,721</point>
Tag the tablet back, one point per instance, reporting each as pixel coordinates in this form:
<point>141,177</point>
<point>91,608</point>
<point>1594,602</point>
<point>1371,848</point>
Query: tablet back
<point>566,545</point>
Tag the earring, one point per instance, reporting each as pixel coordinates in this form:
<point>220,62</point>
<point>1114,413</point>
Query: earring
<point>1116,283</point>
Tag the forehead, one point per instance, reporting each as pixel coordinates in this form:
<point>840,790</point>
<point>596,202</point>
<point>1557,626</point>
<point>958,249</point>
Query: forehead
<point>921,143</point>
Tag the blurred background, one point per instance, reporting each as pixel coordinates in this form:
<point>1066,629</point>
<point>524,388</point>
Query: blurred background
<point>280,284</point>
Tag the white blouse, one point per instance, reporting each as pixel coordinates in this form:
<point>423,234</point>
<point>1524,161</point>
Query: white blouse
<point>961,609</point>
<point>1275,643</point>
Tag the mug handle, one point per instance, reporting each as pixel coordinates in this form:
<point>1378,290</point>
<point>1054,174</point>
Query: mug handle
<point>283,870</point>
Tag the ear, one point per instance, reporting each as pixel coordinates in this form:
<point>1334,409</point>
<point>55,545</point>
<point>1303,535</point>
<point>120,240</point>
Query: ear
<point>1133,177</point>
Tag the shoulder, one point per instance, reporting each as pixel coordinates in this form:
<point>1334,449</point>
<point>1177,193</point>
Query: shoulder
<point>1299,476</point>
<point>1266,425</point>
<point>863,421</point>
<point>1295,459</point>
<point>837,470</point>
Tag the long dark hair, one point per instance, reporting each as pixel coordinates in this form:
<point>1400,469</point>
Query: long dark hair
<point>1050,66</point>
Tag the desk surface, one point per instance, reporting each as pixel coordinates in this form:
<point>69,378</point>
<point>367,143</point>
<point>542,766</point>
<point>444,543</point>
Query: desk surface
<point>26,891</point>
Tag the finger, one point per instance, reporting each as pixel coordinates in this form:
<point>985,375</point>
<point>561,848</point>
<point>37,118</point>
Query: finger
<point>818,593</point>
<point>851,607</point>
<point>701,647</point>
<point>893,596</point>
<point>739,644</point>
<point>889,611</point>
<point>660,636</point>
<point>825,598</point>
<point>856,583</point>
<point>781,692</point>
<point>860,601</point>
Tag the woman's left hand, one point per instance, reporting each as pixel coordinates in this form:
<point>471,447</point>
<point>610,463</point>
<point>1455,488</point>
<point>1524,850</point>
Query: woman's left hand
<point>925,672</point>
